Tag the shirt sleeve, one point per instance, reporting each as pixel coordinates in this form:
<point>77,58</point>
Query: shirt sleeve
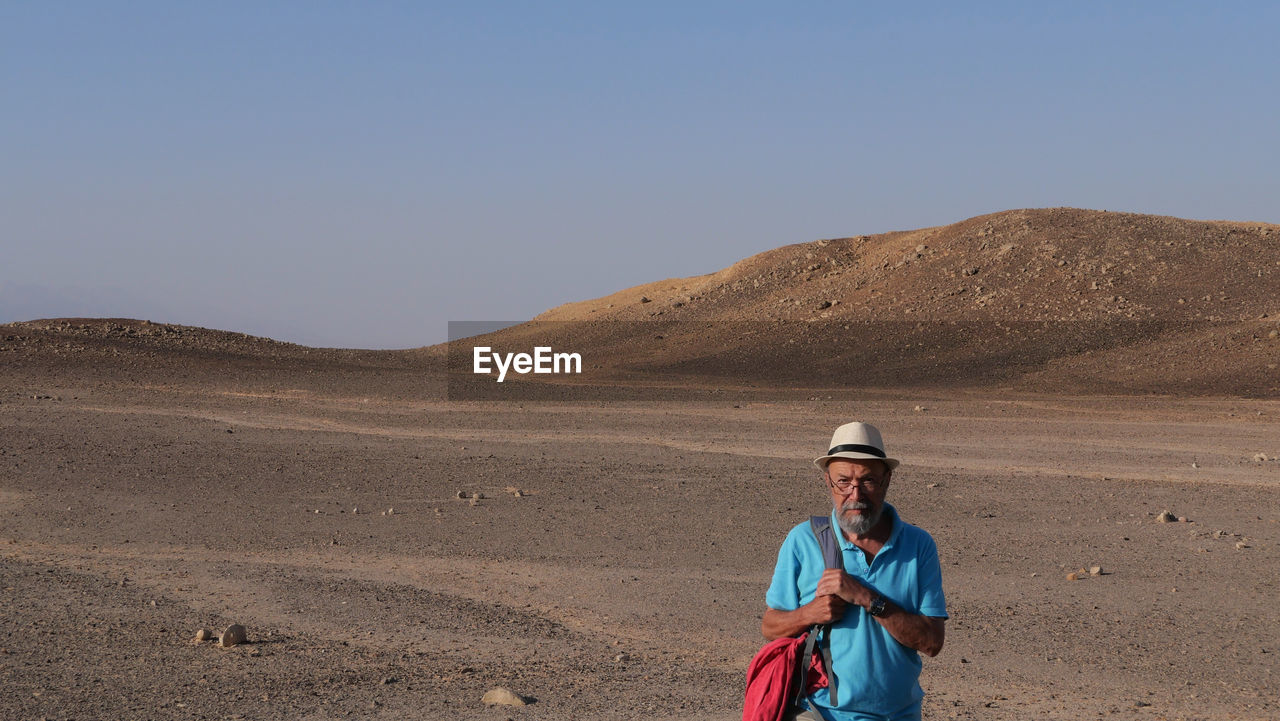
<point>932,601</point>
<point>784,591</point>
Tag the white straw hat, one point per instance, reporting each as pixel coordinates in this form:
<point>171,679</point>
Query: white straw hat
<point>859,442</point>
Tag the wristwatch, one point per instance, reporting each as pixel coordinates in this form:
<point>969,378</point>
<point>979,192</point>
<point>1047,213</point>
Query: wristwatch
<point>877,606</point>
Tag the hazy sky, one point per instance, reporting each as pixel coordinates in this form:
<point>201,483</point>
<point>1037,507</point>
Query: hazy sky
<point>359,173</point>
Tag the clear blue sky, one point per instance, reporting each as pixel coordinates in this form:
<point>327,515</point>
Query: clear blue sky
<point>358,173</point>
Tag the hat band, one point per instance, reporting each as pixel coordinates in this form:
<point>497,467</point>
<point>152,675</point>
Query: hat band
<point>857,448</point>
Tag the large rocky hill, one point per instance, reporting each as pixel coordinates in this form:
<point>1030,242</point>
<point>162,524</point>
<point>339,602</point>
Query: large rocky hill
<point>1056,300</point>
<point>1054,264</point>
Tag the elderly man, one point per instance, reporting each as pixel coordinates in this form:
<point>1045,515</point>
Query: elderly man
<point>885,606</point>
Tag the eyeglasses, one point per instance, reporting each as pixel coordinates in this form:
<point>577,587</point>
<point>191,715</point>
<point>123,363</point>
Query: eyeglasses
<point>846,486</point>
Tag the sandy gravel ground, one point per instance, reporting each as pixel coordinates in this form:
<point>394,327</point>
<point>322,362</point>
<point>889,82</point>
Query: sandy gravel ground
<point>626,579</point>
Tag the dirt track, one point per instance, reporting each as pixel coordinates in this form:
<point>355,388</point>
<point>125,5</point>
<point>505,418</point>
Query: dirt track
<point>628,579</point>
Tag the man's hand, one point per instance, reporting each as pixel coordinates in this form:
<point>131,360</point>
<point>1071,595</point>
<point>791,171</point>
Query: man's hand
<point>825,609</point>
<point>822,609</point>
<point>835,582</point>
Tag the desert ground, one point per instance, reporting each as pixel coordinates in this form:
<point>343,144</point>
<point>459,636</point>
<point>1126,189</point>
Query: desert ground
<point>609,558</point>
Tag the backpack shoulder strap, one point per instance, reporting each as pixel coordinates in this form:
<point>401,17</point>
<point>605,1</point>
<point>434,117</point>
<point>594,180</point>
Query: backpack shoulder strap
<point>831,555</point>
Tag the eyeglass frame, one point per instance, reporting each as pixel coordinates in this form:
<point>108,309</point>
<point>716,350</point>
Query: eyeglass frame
<point>864,484</point>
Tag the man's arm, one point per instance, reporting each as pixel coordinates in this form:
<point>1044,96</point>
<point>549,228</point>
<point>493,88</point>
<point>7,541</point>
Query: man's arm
<point>923,633</point>
<point>822,609</point>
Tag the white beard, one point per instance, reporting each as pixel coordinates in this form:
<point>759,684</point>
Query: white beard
<point>859,525</point>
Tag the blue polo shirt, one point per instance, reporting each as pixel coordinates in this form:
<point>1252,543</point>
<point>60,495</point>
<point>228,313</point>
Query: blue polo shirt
<point>874,673</point>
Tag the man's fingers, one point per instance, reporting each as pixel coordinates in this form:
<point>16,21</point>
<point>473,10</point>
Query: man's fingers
<point>831,581</point>
<point>827,609</point>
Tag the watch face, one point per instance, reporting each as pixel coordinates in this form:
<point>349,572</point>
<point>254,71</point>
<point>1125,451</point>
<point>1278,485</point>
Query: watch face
<point>877,606</point>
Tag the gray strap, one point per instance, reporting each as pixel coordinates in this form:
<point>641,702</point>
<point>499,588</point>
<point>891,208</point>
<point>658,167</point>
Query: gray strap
<point>831,674</point>
<point>832,557</point>
<point>802,673</point>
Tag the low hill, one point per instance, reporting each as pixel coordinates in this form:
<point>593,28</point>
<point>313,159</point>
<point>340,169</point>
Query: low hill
<point>125,352</point>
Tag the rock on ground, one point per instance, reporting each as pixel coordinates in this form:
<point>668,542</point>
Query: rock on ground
<point>502,697</point>
<point>234,635</point>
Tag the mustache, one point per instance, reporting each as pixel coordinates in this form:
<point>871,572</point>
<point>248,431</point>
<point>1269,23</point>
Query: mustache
<point>855,506</point>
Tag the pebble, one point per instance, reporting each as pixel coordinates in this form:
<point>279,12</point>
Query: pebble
<point>234,635</point>
<point>1095,570</point>
<point>1261,457</point>
<point>1073,576</point>
<point>1165,517</point>
<point>204,634</point>
<point>502,697</point>
<point>1241,545</point>
<point>919,409</point>
<point>622,658</point>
